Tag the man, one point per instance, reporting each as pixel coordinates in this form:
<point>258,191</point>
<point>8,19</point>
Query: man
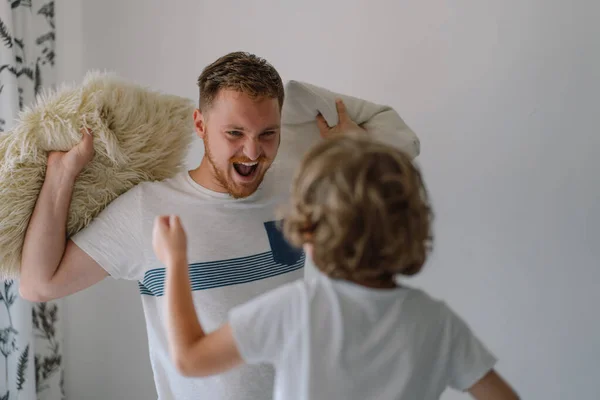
<point>235,248</point>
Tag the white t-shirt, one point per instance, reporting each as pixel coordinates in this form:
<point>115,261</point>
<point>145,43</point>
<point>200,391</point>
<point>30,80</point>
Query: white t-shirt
<point>235,250</point>
<point>332,339</point>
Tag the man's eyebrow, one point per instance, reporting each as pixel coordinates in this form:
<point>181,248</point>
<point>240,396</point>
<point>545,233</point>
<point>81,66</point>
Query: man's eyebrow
<point>234,127</point>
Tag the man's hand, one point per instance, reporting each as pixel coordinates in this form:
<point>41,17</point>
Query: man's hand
<point>345,123</point>
<point>73,161</point>
<point>51,266</point>
<point>169,240</point>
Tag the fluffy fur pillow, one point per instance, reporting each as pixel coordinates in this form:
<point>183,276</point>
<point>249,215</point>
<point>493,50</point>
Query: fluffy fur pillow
<point>139,135</point>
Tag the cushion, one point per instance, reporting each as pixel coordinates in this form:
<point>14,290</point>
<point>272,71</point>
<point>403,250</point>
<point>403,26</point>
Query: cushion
<point>304,101</point>
<point>139,135</point>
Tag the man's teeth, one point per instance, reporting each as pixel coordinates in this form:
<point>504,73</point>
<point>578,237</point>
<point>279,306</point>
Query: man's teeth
<point>249,164</point>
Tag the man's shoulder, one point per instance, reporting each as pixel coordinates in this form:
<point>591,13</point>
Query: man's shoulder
<point>168,189</point>
<point>174,183</point>
<point>143,195</point>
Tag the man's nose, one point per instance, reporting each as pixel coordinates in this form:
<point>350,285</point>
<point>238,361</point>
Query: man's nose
<point>252,149</point>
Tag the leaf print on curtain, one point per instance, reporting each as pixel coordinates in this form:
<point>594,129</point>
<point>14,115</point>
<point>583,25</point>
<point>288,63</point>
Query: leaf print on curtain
<point>31,359</point>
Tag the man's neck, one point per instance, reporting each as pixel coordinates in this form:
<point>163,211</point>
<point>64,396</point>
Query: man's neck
<point>204,177</point>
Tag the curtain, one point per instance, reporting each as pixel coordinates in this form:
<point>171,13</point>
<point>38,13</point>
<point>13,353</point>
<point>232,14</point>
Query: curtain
<point>31,360</point>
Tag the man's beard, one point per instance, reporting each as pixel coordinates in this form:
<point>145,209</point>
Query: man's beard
<point>235,191</point>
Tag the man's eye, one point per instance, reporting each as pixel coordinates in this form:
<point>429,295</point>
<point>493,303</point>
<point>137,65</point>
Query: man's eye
<point>235,133</point>
<point>268,133</point>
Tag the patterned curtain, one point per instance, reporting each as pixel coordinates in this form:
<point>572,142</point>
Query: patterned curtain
<point>31,361</point>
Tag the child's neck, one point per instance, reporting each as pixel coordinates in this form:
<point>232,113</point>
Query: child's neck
<point>376,283</point>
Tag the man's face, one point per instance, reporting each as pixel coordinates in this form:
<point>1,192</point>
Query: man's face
<point>241,137</point>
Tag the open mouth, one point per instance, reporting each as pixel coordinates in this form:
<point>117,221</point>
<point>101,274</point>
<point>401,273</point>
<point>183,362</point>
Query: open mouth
<point>246,169</point>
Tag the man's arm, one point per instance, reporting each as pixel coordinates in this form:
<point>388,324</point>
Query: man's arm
<point>51,266</point>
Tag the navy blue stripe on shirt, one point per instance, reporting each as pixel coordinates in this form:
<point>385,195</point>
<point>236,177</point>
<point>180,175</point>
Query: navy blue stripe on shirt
<point>214,274</point>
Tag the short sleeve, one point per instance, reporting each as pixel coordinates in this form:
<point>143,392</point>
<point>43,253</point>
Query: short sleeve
<point>263,327</point>
<point>114,239</point>
<point>469,359</point>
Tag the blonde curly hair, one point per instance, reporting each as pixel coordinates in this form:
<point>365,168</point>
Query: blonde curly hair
<point>363,206</point>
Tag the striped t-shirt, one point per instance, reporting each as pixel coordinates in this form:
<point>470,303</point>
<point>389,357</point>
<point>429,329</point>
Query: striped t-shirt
<point>236,252</point>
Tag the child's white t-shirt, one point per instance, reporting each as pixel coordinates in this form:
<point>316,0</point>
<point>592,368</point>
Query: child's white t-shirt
<point>332,339</point>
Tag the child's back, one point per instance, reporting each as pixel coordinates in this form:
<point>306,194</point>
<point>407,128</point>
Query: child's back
<point>339,340</point>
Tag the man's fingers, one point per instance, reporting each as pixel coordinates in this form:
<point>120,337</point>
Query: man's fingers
<point>322,124</point>
<point>341,109</point>
<point>86,145</point>
<point>86,135</point>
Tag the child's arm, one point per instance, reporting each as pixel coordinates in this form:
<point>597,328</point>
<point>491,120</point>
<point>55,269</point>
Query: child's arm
<point>471,364</point>
<point>492,387</point>
<point>193,352</point>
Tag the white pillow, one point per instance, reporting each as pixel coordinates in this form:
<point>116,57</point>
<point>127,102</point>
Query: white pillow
<point>304,101</point>
<point>139,135</point>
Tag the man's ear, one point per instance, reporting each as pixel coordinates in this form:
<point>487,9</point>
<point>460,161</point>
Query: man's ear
<point>199,123</point>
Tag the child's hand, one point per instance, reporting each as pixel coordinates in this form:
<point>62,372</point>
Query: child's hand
<point>169,240</point>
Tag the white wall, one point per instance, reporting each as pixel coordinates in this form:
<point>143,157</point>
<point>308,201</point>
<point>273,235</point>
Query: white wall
<point>504,98</point>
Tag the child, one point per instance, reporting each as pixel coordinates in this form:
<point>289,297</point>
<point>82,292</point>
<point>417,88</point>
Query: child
<point>360,210</point>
